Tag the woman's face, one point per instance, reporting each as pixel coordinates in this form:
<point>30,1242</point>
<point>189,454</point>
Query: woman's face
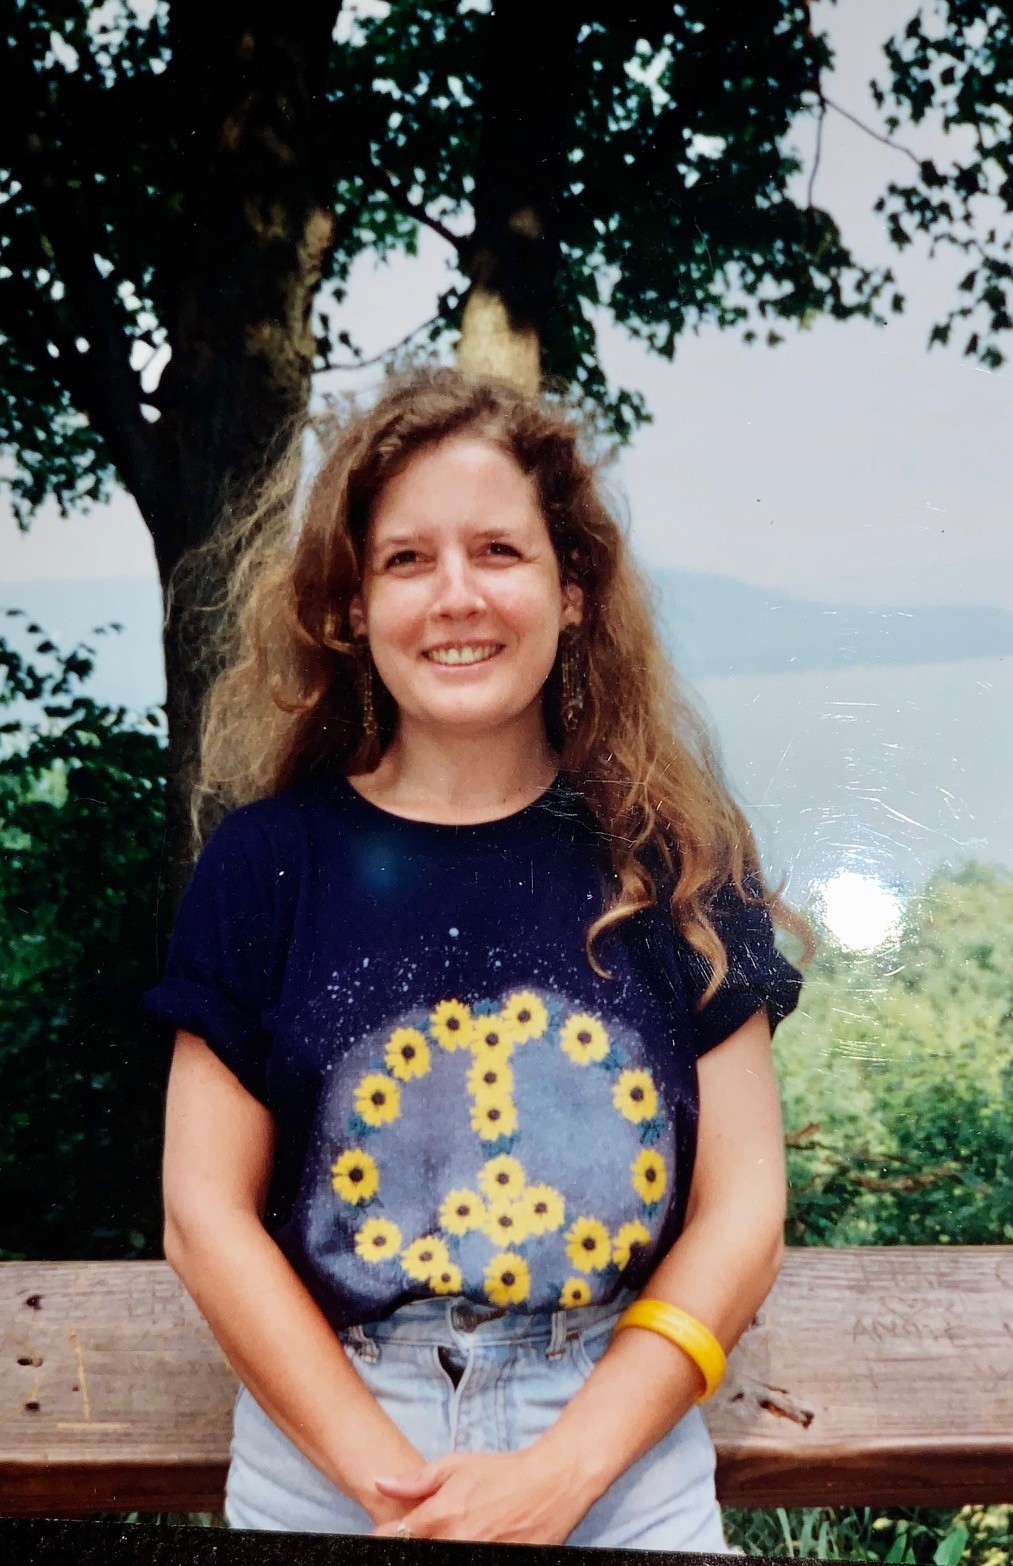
<point>461,596</point>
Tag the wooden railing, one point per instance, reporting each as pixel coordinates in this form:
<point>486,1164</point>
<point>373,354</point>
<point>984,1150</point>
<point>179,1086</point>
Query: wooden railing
<point>878,1377</point>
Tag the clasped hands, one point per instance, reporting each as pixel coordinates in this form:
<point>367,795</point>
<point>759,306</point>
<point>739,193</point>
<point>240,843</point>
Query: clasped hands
<point>497,1497</point>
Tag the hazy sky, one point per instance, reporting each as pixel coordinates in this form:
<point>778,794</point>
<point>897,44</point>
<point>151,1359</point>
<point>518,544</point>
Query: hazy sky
<point>849,464</point>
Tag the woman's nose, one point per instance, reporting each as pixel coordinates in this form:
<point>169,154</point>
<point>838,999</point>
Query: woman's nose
<point>458,590</point>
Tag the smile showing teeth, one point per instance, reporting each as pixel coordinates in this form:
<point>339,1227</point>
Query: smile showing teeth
<point>462,654</point>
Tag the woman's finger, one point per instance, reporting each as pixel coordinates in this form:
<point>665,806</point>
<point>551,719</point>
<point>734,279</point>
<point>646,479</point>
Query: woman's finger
<point>412,1486</point>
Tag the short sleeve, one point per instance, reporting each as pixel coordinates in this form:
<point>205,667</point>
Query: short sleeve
<point>221,956</point>
<point>758,975</point>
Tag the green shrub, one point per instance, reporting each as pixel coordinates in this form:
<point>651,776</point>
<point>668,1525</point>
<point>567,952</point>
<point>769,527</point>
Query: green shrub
<point>80,831</point>
<point>896,1078</point>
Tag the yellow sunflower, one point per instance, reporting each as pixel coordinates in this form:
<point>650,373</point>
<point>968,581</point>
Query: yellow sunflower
<point>407,1054</point>
<point>635,1096</point>
<point>502,1178</point>
<point>491,1039</point>
<point>355,1176</point>
<point>575,1291</point>
<point>425,1256</point>
<point>588,1245</point>
<point>630,1235</point>
<point>584,1039</point>
<point>446,1281</point>
<point>525,1016</point>
<point>507,1279</point>
<point>450,1025</point>
<point>649,1176</point>
<point>505,1223</point>
<point>489,1079</point>
<point>495,1118</point>
<point>544,1209</point>
<point>377,1099</point>
<point>377,1240</point>
<point>461,1211</point>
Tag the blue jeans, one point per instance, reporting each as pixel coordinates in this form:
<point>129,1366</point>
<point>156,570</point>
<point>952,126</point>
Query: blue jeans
<point>514,1374</point>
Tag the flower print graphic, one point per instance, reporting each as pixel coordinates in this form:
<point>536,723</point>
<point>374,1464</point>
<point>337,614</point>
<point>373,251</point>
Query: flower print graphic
<point>649,1176</point>
<point>502,1178</point>
<point>588,1245</point>
<point>635,1096</point>
<point>424,1256</point>
<point>632,1237</point>
<point>377,1099</point>
<point>584,1039</point>
<point>490,1079</point>
<point>575,1291</point>
<point>505,1223</point>
<point>520,1151</point>
<point>378,1240</point>
<point>461,1211</point>
<point>407,1054</point>
<point>447,1281</point>
<point>355,1177</point>
<point>525,1016</point>
<point>491,1039</point>
<point>450,1025</point>
<point>495,1118</point>
<point>507,1279</point>
<point>543,1208</point>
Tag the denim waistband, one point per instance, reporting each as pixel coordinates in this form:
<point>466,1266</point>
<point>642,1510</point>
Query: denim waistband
<point>451,1320</point>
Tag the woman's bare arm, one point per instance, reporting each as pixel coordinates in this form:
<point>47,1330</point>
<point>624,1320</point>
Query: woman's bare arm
<point>219,1149</point>
<point>720,1269</point>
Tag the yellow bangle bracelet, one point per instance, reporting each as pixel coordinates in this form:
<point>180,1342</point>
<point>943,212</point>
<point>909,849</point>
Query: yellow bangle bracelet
<point>686,1332</point>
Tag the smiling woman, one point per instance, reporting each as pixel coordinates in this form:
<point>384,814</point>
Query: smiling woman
<point>473,988</point>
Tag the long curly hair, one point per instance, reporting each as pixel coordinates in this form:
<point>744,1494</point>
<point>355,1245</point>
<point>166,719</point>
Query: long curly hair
<point>285,703</point>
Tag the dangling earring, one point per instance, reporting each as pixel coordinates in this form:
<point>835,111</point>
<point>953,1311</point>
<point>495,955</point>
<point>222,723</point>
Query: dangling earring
<point>364,680</point>
<point>573,685</point>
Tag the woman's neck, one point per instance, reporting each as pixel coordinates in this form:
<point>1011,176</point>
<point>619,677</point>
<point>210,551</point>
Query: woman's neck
<point>461,779</point>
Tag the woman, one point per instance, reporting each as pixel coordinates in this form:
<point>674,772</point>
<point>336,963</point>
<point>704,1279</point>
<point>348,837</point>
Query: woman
<point>474,988</point>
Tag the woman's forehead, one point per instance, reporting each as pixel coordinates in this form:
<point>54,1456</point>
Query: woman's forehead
<point>463,481</point>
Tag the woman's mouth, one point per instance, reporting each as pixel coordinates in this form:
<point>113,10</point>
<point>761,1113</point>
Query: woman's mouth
<point>463,653</point>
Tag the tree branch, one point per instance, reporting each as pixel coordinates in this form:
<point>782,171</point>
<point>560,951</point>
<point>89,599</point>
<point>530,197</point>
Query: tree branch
<point>415,209</point>
<point>378,358</point>
<point>886,141</point>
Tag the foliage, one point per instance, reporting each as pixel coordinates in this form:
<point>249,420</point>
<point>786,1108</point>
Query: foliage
<point>896,1076</point>
<point>973,1536</point>
<point>80,833</point>
<point>954,60</point>
<point>674,206</point>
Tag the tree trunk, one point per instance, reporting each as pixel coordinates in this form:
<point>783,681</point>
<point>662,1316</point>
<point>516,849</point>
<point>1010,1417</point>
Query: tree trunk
<point>257,233</point>
<point>526,111</point>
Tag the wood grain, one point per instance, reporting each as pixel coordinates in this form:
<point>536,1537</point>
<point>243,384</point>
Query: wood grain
<point>870,1377</point>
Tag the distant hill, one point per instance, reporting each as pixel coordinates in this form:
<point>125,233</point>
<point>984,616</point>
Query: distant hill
<point>716,625</point>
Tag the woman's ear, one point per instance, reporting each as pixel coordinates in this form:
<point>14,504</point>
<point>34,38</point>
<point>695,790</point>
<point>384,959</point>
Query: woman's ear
<point>357,615</point>
<point>573,603</point>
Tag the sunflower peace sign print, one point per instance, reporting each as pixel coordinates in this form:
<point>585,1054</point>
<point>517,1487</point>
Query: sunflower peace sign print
<point>514,1148</point>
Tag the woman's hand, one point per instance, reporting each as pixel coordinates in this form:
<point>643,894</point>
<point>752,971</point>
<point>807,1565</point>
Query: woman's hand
<point>498,1497</point>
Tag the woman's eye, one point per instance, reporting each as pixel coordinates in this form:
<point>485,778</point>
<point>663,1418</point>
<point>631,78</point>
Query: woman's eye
<point>498,546</point>
<point>402,557</point>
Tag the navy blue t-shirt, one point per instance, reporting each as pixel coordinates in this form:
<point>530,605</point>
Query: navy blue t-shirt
<point>462,1105</point>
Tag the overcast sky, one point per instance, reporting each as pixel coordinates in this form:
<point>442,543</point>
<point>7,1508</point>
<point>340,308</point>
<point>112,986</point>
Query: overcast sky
<point>847,465</point>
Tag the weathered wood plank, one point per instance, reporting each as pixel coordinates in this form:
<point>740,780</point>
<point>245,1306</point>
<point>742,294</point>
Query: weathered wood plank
<point>877,1376</point>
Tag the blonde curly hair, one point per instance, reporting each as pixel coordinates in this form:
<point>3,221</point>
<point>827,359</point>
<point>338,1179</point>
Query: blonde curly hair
<point>285,703</point>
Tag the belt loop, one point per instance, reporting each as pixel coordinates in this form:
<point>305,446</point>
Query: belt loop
<point>558,1336</point>
<point>363,1343</point>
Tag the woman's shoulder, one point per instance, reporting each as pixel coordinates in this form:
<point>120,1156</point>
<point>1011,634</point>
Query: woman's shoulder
<point>276,823</point>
